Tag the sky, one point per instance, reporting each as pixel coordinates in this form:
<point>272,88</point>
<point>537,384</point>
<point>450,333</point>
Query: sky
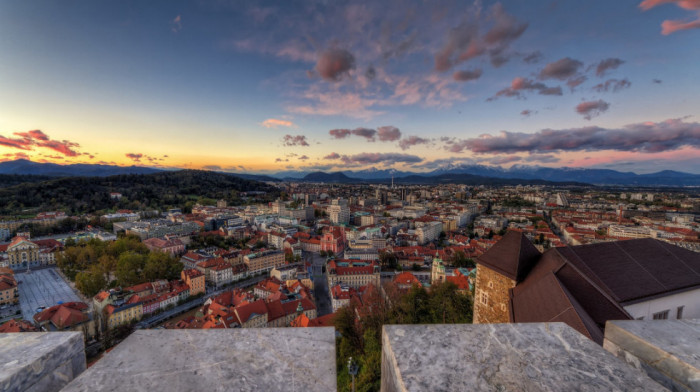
<point>264,87</point>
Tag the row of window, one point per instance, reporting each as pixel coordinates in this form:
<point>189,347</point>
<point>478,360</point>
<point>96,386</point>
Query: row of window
<point>663,315</point>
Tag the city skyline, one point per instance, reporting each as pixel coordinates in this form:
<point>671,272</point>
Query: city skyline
<point>268,87</point>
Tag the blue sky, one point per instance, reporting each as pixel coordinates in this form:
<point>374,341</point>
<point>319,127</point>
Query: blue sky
<point>259,86</point>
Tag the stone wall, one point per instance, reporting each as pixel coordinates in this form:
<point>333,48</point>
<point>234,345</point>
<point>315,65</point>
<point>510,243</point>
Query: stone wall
<point>501,357</point>
<point>494,307</point>
<point>667,350</point>
<point>256,359</point>
<point>40,361</point>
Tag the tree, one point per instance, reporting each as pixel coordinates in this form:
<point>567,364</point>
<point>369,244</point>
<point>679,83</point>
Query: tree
<point>129,268</point>
<point>460,260</point>
<point>388,260</point>
<point>91,282</point>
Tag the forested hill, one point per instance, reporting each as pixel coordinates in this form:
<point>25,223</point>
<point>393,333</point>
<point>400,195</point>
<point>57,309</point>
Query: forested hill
<point>77,195</point>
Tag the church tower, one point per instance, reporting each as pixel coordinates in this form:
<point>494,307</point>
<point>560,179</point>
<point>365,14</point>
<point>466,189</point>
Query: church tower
<point>437,272</point>
<point>498,270</point>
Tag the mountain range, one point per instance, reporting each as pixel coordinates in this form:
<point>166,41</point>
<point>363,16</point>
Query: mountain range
<point>444,174</point>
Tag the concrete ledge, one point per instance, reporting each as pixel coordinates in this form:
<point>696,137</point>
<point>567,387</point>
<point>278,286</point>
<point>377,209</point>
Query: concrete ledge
<point>40,361</point>
<point>501,357</point>
<point>254,359</point>
<point>667,350</point>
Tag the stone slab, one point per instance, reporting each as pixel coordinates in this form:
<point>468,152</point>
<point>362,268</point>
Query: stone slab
<point>667,350</point>
<point>40,361</point>
<point>254,359</point>
<point>502,357</point>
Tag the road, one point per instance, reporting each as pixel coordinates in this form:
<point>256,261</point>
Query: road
<point>321,294</point>
<point>160,317</point>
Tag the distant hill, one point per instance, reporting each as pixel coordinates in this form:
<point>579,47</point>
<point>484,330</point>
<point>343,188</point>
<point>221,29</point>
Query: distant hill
<point>448,178</point>
<point>335,177</point>
<point>522,172</point>
<point>23,166</point>
<point>78,195</point>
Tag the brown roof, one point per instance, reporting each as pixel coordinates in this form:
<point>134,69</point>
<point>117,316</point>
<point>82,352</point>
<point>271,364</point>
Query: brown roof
<point>513,256</point>
<point>635,270</point>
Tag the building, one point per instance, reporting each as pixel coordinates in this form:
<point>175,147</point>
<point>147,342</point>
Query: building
<point>428,232</point>
<point>338,212</point>
<point>124,314</point>
<point>437,270</point>
<point>8,287</point>
<point>333,240</point>
<point>406,280</point>
<point>353,273</point>
<point>173,247</point>
<point>341,295</point>
<point>263,261</point>
<point>194,279</point>
<point>17,326</point>
<point>217,272</point>
<point>23,252</point>
<point>70,316</point>
<point>585,286</point>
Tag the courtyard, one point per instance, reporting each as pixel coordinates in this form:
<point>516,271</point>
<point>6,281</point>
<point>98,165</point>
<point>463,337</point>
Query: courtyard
<point>42,288</point>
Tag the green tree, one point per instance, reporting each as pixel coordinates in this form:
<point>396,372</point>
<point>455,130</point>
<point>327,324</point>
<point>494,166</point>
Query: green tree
<point>91,282</point>
<point>129,267</point>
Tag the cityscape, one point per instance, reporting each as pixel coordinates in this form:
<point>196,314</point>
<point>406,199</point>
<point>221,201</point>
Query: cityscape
<point>351,196</point>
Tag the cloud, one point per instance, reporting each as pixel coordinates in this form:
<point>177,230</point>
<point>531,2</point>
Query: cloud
<point>274,123</point>
<point>281,160</point>
<point>590,109</point>
<point>518,85</point>
<point>606,65</point>
<point>648,137</point>
<point>533,58</point>
<point>136,157</point>
<point>542,158</point>
<point>334,63</point>
<point>528,112</point>
<point>303,158</point>
<point>371,73</point>
<point>672,26</point>
<point>612,84</point>
<point>561,69</point>
<point>36,138</point>
<point>411,141</point>
<point>464,42</point>
<point>576,81</point>
<point>333,155</point>
<point>388,133</point>
<point>657,81</point>
<point>465,76</point>
<point>386,159</point>
<point>176,24</point>
<point>339,133</point>
<point>366,133</point>
<point>503,160</point>
<point>298,140</point>
<point>212,167</point>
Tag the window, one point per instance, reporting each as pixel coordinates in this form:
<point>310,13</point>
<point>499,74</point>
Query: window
<point>661,315</point>
<point>679,312</point>
<point>490,285</point>
<point>484,298</point>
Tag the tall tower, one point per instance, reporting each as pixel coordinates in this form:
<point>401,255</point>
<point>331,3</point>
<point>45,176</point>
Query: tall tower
<point>437,271</point>
<point>498,270</point>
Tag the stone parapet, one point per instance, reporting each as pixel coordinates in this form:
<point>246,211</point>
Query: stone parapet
<point>502,357</point>
<point>40,361</point>
<point>667,350</point>
<point>256,359</point>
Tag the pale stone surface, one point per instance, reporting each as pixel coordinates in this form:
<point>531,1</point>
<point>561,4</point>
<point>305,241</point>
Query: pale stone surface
<point>40,361</point>
<point>502,357</point>
<point>254,359</point>
<point>668,350</point>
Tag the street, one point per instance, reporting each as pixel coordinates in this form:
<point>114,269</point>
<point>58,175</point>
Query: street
<point>321,294</point>
<point>42,288</point>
